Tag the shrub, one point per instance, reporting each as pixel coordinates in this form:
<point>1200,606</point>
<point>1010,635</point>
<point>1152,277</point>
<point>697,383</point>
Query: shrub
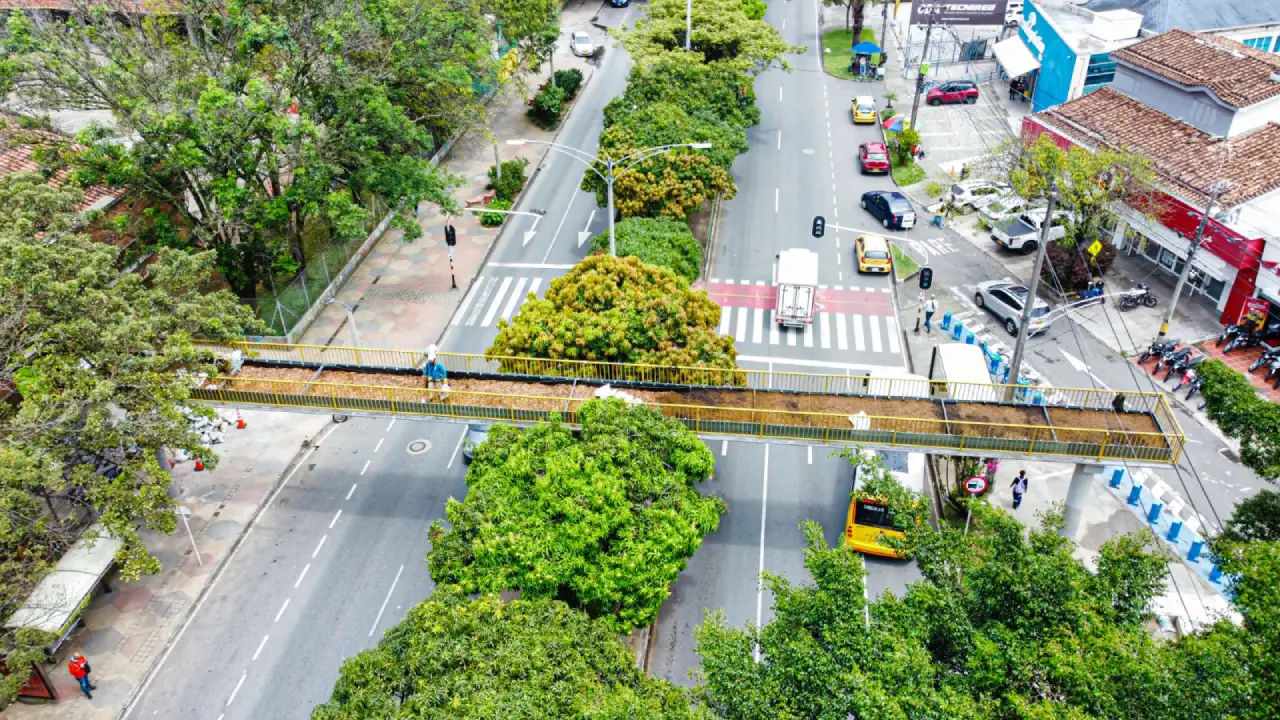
<point>512,178</point>
<point>657,241</point>
<point>547,106</point>
<point>570,81</point>
<point>1069,263</point>
<point>495,219</point>
<point>933,188</point>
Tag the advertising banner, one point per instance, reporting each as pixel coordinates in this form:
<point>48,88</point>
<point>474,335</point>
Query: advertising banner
<point>959,12</point>
<point>1254,309</point>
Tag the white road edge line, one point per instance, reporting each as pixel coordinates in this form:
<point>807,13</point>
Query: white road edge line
<point>366,466</point>
<point>243,675</point>
<point>261,645</point>
<point>385,601</point>
<point>334,521</point>
<point>461,437</point>
<point>208,592</point>
<point>764,508</point>
<point>318,546</point>
<point>281,611</point>
<point>302,575</point>
<point>351,491</point>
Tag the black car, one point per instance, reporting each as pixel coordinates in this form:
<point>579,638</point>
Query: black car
<point>893,209</point>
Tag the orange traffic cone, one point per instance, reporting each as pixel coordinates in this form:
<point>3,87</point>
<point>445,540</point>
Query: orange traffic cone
<point>239,420</point>
<point>953,171</point>
<point>199,465</point>
<point>171,463</point>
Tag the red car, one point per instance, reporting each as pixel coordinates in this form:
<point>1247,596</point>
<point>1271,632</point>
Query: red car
<point>956,91</point>
<point>873,157</point>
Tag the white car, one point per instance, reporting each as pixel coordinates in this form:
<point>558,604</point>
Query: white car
<point>994,208</point>
<point>970,192</point>
<point>582,45</point>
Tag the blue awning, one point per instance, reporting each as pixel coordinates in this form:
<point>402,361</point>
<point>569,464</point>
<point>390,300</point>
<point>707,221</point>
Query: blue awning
<point>866,48</point>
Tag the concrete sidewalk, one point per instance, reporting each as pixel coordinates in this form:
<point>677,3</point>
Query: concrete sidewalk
<point>401,294</point>
<point>124,632</point>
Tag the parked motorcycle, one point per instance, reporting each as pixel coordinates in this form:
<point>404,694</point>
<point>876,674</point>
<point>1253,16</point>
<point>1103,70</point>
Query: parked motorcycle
<point>1252,338</point>
<point>1170,357</point>
<point>1158,348</point>
<point>1275,368</point>
<point>1140,295</point>
<point>1230,331</point>
<point>1182,366</point>
<point>1094,291</point>
<point>1265,358</point>
<point>1196,382</point>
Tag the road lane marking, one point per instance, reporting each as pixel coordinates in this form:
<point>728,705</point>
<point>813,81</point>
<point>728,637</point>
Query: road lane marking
<point>466,302</point>
<point>764,509</point>
<point>808,335</point>
<point>556,235</point>
<point>281,611</point>
<point>791,337</point>
<point>533,286</point>
<point>497,302</point>
<point>784,26</point>
<point>261,645</point>
<point>378,447</point>
<point>859,343</point>
<point>390,425</point>
<point>516,296</point>
<point>237,689</point>
<point>859,367</point>
<point>334,521</point>
<point>318,546</point>
<point>530,266</point>
<point>726,318</point>
<point>810,454</point>
<point>366,466</point>
<point>351,491</point>
<point>775,199</point>
<point>875,335</point>
<point>891,330</point>
<point>461,437</point>
<point>480,301</point>
<point>295,585</point>
<point>779,136</point>
<point>741,334</point>
<point>773,327</point>
<point>757,327</point>
<point>842,337</point>
<point>724,448</point>
<point>825,339</point>
<point>385,601</point>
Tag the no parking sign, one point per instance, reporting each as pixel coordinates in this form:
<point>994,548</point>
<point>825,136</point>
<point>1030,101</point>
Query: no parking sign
<point>975,485</point>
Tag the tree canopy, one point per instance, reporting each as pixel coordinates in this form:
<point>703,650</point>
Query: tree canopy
<point>480,659</point>
<point>656,241</point>
<point>604,521</point>
<point>723,33</point>
<point>103,365</point>
<point>618,310</point>
<point>1006,624</point>
<point>1235,406</point>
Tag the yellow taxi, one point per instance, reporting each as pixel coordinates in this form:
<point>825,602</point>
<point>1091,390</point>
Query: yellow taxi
<point>864,109</point>
<point>872,254</point>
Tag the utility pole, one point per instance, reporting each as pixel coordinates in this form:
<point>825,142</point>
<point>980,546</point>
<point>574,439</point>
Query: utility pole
<point>1215,190</point>
<point>884,32</point>
<point>1029,304</point>
<point>924,58</point>
<point>688,24</point>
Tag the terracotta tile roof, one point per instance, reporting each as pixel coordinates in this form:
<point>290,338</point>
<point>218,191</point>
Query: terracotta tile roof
<point>1238,74</point>
<point>1187,157</point>
<point>18,146</point>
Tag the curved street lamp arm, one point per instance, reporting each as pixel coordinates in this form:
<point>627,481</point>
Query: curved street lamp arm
<point>576,154</point>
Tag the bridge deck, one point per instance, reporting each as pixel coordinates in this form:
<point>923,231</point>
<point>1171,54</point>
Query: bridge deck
<point>947,417</point>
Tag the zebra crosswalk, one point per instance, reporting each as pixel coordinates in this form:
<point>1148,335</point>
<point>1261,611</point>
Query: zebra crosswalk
<point>493,298</point>
<point>829,330</point>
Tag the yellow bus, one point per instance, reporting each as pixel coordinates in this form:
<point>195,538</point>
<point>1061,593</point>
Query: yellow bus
<point>870,520</point>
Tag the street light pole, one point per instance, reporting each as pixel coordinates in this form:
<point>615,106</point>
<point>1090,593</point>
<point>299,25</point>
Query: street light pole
<point>1029,303</point>
<point>924,58</point>
<point>351,320</point>
<point>608,182</point>
<point>1215,190</point>
<point>688,25</point>
<point>884,33</point>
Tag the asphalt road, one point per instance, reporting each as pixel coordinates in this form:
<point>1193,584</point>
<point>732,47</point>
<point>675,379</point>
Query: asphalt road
<point>337,558</point>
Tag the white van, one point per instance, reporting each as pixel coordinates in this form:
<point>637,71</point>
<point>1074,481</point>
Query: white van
<point>965,365</point>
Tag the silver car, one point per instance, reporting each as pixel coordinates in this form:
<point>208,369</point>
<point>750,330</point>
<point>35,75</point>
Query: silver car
<point>582,45</point>
<point>1005,301</point>
<point>972,192</point>
<point>994,208</point>
<point>476,435</point>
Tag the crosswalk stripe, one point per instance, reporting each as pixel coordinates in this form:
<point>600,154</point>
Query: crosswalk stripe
<point>842,337</point>
<point>726,318</point>
<point>773,327</point>
<point>791,337</point>
<point>875,336</point>
<point>741,333</point>
<point>533,286</point>
<point>466,302</point>
<point>497,302</point>
<point>757,325</point>
<point>808,335</point>
<point>859,342</point>
<point>516,297</point>
<point>825,339</point>
<point>891,328</point>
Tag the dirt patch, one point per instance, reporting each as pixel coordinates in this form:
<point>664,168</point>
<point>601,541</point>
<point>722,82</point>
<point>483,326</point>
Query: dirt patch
<point>700,223</point>
<point>997,418</point>
<point>245,379</point>
<point>1065,421</point>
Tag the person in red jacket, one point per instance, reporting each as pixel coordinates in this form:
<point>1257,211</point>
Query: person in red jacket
<point>79,668</point>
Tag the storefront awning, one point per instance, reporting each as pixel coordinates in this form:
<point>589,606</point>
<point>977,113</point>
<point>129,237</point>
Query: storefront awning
<point>1014,57</point>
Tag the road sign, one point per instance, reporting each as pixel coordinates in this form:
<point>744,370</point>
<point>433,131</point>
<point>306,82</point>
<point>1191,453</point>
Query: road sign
<point>975,485</point>
<point>1095,248</point>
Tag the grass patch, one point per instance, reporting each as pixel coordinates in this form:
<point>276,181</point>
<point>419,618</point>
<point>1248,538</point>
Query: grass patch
<point>840,42</point>
<point>908,174</point>
<point>903,265</point>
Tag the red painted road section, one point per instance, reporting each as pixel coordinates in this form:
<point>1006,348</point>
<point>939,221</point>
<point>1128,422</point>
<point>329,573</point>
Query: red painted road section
<point>862,302</point>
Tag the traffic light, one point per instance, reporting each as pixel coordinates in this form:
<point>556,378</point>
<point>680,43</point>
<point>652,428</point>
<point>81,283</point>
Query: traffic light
<point>450,236</point>
<point>926,278</point>
<point>819,226</point>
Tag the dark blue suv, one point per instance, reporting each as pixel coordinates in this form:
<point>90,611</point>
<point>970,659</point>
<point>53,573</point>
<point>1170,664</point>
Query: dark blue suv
<point>893,209</point>
<point>619,3</point>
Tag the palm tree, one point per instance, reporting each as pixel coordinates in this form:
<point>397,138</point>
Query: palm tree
<point>889,97</point>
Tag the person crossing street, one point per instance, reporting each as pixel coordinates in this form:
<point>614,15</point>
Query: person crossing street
<point>930,307</point>
<point>1019,486</point>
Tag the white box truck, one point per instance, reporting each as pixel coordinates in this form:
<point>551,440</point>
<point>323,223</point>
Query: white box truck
<point>797,287</point>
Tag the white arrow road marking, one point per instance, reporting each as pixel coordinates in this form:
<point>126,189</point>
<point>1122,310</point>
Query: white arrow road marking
<point>586,231</point>
<point>1076,362</point>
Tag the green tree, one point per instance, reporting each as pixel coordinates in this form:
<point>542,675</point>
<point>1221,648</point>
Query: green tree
<point>453,657</point>
<point>532,26</point>
<point>1005,624</point>
<point>103,365</point>
<point>618,310</point>
<point>853,9</point>
<point>656,241</point>
<point>1234,405</point>
<point>714,90</point>
<point>604,522</point>
<point>754,9</point>
<point>722,34</point>
<point>1255,518</point>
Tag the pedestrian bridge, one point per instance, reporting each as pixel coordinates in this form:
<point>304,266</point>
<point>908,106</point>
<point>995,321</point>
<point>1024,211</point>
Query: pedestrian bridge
<point>952,418</point>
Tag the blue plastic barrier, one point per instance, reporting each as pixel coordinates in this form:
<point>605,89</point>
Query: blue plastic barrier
<point>1153,515</point>
<point>955,331</point>
<point>1194,554</point>
<point>946,321</point>
<point>1116,477</point>
<point>1215,575</point>
<point>969,338</point>
<point>1135,494</point>
<point>1174,529</point>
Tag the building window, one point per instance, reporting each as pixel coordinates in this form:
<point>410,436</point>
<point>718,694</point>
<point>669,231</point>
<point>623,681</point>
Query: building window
<point>1100,72</point>
<point>1263,43</point>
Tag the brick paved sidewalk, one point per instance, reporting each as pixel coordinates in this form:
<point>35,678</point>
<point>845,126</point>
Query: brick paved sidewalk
<point>124,632</point>
<point>401,293</point>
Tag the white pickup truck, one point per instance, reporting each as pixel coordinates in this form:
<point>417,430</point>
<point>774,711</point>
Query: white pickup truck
<point>1022,232</point>
<point>797,287</point>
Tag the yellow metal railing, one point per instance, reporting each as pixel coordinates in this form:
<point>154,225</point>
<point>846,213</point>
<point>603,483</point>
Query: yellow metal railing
<point>921,433</point>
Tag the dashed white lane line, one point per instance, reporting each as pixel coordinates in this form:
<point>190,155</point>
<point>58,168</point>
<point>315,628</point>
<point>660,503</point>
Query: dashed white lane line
<point>334,521</point>
<point>810,454</point>
<point>281,610</point>
<point>378,447</point>
<point>780,89</point>
<point>775,199</point>
<point>456,448</point>
<point>385,601</point>
<point>301,575</point>
<point>319,545</point>
<point>351,491</point>
<point>366,466</point>
<point>261,645</point>
<point>231,699</point>
<point>724,448</point>
<point>779,138</point>
<point>393,422</point>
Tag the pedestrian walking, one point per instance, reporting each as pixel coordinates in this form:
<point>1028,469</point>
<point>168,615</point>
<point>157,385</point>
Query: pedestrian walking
<point>940,216</point>
<point>930,307</point>
<point>993,466</point>
<point>1019,488</point>
<point>434,376</point>
<point>79,667</point>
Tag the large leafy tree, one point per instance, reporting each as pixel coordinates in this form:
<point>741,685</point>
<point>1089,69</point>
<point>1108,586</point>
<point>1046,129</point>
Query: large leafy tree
<point>263,121</point>
<point>618,310</point>
<point>656,241</point>
<point>1235,406</point>
<point>454,657</point>
<point>714,91</point>
<point>604,521</point>
<point>98,368</point>
<point>1006,624</point>
<point>723,33</point>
